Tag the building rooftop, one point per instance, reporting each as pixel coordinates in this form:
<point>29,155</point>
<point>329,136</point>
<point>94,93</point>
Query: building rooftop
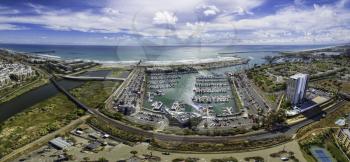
<point>346,131</point>
<point>93,146</point>
<point>60,143</point>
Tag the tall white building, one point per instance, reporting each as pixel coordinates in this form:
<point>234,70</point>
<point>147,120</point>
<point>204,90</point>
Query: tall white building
<point>296,88</point>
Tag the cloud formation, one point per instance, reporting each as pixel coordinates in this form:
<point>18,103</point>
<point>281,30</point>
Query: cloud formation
<point>182,21</point>
<point>164,18</point>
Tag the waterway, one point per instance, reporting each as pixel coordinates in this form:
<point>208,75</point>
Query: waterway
<point>99,73</point>
<point>42,93</point>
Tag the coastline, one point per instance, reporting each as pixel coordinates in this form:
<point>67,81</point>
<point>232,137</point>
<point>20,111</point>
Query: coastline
<point>127,55</point>
<point>144,63</point>
<point>188,62</point>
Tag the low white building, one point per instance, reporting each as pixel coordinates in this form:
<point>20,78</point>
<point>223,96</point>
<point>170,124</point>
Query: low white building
<point>14,72</point>
<point>4,81</point>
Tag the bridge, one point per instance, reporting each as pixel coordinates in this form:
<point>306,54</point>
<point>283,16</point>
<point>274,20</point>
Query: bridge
<point>92,78</point>
<point>292,129</point>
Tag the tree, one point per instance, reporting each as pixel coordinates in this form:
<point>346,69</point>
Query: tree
<point>133,152</point>
<point>205,125</point>
<point>80,112</point>
<point>86,159</point>
<point>228,159</point>
<point>275,118</point>
<point>70,157</point>
<point>102,159</point>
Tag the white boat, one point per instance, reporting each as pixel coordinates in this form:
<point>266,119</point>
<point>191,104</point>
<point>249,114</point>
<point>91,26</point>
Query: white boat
<point>175,106</point>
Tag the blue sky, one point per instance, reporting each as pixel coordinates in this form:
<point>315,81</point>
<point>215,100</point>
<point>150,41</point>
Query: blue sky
<point>174,22</point>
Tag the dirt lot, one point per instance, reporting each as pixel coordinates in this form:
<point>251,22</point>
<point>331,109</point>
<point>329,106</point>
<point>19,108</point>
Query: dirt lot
<point>121,152</point>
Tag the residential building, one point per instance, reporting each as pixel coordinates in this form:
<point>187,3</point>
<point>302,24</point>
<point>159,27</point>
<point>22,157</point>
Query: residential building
<point>296,88</point>
<point>4,80</point>
<point>11,73</point>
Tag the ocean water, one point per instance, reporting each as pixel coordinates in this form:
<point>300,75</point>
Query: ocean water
<point>112,54</point>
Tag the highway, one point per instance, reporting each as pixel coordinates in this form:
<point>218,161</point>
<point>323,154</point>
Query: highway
<point>168,137</point>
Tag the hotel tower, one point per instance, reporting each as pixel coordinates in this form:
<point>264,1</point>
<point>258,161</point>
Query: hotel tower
<point>296,88</point>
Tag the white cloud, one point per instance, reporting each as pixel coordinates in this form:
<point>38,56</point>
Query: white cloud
<point>85,21</point>
<point>291,18</point>
<point>206,20</point>
<point>239,7</point>
<point>11,27</point>
<point>36,8</point>
<point>289,24</point>
<point>164,18</point>
<point>150,7</point>
<point>117,15</point>
<point>8,11</point>
<point>110,11</point>
<point>208,10</point>
<point>109,38</point>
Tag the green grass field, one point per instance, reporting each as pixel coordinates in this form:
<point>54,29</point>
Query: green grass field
<point>332,85</point>
<point>36,121</point>
<point>94,93</point>
<point>50,115</point>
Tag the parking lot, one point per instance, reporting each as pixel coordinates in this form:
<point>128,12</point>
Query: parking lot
<point>227,122</point>
<point>84,142</point>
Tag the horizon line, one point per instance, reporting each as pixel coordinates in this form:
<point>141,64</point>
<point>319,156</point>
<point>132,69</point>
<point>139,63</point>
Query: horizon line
<point>174,45</point>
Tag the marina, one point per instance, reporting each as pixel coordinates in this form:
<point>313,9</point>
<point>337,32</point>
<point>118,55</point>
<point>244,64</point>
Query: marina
<point>205,93</point>
<point>214,95</point>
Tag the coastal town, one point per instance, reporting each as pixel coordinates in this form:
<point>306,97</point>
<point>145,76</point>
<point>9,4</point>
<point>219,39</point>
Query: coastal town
<point>170,106</point>
<point>175,81</point>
